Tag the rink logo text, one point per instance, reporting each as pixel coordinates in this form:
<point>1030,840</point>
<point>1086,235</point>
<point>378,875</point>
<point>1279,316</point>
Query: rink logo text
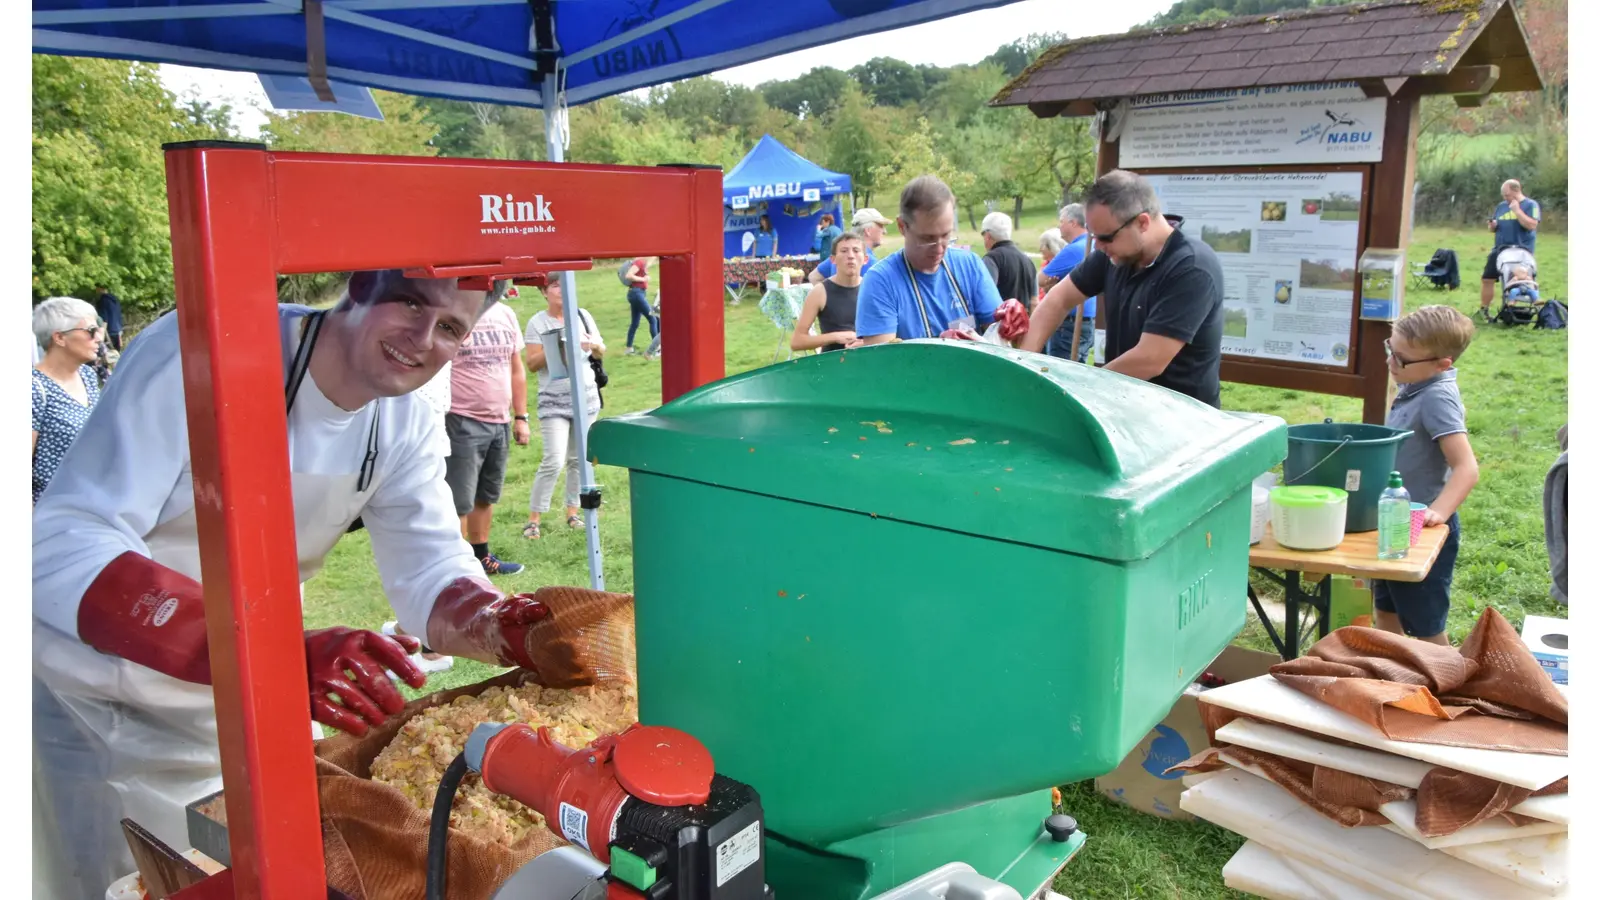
<point>508,209</point>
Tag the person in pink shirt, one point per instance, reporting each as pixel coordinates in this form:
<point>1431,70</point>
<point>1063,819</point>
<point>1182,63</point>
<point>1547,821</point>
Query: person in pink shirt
<point>488,408</point>
<point>638,278</point>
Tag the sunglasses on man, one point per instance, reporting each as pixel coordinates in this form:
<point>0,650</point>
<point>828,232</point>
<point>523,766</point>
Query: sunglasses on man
<point>1108,238</point>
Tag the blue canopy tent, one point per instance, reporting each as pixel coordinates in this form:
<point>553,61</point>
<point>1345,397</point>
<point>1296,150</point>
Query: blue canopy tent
<point>791,190</point>
<point>540,53</point>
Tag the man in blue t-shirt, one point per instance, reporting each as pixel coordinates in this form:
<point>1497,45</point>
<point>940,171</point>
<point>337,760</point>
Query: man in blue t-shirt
<point>1515,222</point>
<point>928,288</point>
<point>1076,234</point>
<point>867,222</point>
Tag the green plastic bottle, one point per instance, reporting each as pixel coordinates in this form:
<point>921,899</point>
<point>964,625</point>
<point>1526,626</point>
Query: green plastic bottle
<point>1394,520</point>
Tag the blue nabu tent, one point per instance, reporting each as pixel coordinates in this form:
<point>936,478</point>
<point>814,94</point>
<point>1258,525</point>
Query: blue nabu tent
<point>792,190</point>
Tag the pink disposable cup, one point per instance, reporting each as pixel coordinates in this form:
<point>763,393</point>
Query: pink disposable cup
<point>1418,512</point>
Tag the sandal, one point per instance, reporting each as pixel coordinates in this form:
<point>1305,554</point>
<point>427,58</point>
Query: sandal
<point>531,531</point>
<point>574,522</point>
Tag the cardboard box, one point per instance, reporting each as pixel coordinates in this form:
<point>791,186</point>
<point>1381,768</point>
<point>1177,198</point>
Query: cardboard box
<point>1138,781</point>
<point>1348,600</point>
<point>1547,638</point>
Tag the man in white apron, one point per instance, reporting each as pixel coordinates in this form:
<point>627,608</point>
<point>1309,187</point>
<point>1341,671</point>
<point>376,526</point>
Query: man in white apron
<point>124,724</point>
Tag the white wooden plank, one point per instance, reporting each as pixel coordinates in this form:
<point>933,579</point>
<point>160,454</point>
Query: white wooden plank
<point>1261,811</point>
<point>1267,698</point>
<point>1538,862</point>
<point>1553,808</point>
<point>1257,870</point>
<point>1403,816</point>
<point>1269,738</point>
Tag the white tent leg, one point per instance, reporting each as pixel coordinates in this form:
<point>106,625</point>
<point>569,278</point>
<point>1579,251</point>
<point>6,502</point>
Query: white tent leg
<point>576,363</point>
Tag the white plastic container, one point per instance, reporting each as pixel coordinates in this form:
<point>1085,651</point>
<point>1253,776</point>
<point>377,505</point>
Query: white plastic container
<point>1307,517</point>
<point>1261,505</point>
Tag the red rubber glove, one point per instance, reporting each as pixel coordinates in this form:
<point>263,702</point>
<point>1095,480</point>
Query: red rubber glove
<point>371,697</point>
<point>144,612</point>
<point>474,620</point>
<point>1013,319</point>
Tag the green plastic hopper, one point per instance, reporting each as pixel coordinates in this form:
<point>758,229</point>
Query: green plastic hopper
<point>904,590</point>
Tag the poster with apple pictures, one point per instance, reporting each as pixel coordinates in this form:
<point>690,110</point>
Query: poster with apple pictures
<point>1288,243</point>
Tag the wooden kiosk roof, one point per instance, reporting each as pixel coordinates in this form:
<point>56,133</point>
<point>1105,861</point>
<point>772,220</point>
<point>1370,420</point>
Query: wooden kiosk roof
<point>1468,48</point>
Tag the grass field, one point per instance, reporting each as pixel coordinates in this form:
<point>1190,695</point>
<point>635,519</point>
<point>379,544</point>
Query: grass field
<point>1515,387</point>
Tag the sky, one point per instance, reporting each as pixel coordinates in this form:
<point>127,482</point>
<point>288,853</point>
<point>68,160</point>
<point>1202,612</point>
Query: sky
<point>956,40</point>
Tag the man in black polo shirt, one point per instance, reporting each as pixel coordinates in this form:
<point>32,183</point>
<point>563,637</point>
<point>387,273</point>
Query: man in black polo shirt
<point>1162,291</point>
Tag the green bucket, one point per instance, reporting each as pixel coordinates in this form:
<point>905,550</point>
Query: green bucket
<point>1354,458</point>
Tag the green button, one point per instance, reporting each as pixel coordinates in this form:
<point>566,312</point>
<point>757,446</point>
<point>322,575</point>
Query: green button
<point>632,869</point>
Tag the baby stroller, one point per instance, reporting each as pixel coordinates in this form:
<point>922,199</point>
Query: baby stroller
<point>1519,289</point>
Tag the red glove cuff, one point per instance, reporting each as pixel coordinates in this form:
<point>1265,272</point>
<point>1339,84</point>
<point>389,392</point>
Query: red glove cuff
<point>146,613</point>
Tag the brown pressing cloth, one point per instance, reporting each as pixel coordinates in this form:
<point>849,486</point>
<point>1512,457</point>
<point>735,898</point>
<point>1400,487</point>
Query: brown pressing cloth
<point>1490,694</point>
<point>375,841</point>
<point>1447,801</point>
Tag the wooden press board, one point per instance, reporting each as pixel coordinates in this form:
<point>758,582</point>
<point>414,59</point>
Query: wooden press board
<point>1371,763</point>
<point>1379,860</point>
<point>1403,816</point>
<point>1265,873</point>
<point>1267,698</point>
<point>1539,862</point>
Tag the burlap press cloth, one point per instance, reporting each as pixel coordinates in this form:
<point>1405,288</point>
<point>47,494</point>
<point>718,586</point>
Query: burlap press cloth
<point>375,841</point>
<point>1490,694</point>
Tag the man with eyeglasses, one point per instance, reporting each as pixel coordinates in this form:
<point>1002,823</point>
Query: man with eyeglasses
<point>1162,291</point>
<point>928,289</point>
<point>123,717</point>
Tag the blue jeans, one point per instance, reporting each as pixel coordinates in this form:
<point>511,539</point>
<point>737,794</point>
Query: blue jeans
<point>1423,607</point>
<point>1060,343</point>
<point>640,307</point>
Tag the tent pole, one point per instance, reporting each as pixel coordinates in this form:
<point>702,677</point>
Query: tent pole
<point>576,361</point>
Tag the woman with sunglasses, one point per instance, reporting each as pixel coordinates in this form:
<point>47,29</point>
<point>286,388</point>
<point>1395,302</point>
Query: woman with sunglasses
<point>65,387</point>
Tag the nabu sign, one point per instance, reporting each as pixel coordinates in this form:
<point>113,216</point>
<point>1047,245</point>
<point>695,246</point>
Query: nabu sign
<point>772,191</point>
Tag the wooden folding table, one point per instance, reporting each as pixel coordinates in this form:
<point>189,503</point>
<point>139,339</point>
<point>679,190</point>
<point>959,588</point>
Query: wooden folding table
<point>1356,556</point>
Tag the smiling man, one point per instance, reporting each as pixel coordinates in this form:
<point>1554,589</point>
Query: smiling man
<point>930,289</point>
<point>1162,291</point>
<point>123,718</point>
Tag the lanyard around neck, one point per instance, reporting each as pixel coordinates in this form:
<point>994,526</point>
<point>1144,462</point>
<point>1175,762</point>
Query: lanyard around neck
<point>310,328</point>
<point>916,292</point>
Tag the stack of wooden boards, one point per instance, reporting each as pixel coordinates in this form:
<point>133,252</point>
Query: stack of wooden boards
<point>1294,851</point>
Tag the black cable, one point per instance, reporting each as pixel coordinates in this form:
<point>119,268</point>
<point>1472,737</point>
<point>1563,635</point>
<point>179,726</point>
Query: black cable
<point>439,826</point>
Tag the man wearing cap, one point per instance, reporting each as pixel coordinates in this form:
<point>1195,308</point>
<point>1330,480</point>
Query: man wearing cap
<point>870,223</point>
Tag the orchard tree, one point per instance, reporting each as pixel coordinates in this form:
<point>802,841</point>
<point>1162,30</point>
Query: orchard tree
<point>99,177</point>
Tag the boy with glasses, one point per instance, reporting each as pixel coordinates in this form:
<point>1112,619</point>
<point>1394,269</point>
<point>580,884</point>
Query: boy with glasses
<point>929,289</point>
<point>1436,461</point>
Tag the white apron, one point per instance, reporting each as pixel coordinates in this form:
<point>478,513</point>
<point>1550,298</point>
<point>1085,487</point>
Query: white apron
<point>114,739</point>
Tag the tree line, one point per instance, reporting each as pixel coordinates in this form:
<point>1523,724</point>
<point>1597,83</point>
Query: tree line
<point>99,198</point>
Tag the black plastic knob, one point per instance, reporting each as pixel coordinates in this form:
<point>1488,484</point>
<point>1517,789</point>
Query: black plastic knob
<point>1061,827</point>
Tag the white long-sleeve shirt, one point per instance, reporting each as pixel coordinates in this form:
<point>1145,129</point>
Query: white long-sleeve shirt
<point>129,471</point>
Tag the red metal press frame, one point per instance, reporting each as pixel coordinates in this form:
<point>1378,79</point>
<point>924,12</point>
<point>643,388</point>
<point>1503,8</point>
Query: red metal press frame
<point>242,215</point>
